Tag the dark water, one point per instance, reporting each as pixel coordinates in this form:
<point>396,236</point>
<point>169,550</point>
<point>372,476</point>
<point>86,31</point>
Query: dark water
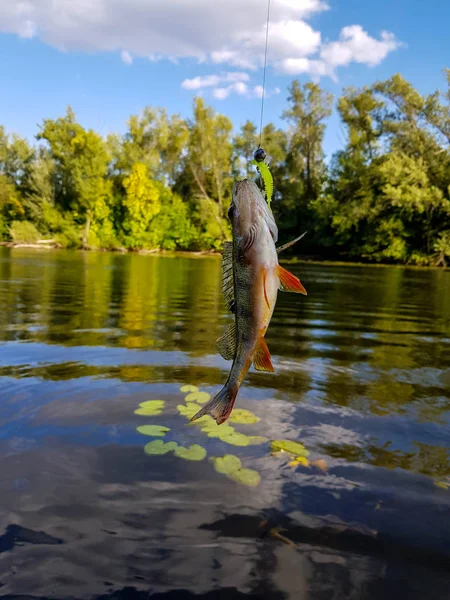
<point>362,380</point>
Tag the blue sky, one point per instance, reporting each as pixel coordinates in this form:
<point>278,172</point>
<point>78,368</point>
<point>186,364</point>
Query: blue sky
<point>110,58</point>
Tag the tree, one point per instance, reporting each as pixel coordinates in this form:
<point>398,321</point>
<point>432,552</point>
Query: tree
<point>305,169</point>
<point>82,162</point>
<point>141,203</point>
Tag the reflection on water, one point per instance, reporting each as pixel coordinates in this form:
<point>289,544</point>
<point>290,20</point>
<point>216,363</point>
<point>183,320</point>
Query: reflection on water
<point>362,380</point>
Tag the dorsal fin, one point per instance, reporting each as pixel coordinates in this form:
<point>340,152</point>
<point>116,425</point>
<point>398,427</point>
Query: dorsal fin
<point>227,275</point>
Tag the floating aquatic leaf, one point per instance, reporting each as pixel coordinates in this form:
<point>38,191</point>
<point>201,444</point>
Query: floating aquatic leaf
<point>253,440</point>
<point>159,447</point>
<point>240,415</point>
<point>188,388</point>
<point>200,397</point>
<point>153,430</point>
<point>246,477</point>
<point>300,460</point>
<point>213,430</point>
<point>227,464</point>
<point>189,410</point>
<point>195,452</point>
<point>444,485</point>
<point>151,408</point>
<point>294,448</point>
<point>236,439</point>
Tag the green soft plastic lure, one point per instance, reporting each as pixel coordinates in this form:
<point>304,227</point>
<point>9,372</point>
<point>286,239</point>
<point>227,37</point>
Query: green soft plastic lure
<point>259,159</point>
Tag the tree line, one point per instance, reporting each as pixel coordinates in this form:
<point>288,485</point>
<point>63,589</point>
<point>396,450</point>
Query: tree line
<point>166,183</point>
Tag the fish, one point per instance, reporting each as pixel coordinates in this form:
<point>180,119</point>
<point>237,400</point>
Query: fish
<point>251,279</point>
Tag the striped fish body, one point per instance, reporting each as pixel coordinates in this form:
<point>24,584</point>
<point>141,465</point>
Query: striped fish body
<point>251,280</point>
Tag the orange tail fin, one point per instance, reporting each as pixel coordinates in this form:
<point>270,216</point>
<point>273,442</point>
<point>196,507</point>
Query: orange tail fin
<point>289,282</point>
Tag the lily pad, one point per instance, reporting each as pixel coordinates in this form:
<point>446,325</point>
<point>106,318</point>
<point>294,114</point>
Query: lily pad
<point>200,397</point>
<point>240,415</point>
<point>300,460</point>
<point>189,410</point>
<point>246,477</point>
<point>159,447</point>
<point>189,388</point>
<point>213,430</point>
<point>444,485</point>
<point>294,448</point>
<point>153,430</point>
<point>236,439</point>
<point>195,452</point>
<point>151,408</point>
<point>227,464</point>
<point>254,440</point>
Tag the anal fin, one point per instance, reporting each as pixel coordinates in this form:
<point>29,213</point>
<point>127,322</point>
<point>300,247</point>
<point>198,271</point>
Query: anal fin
<point>261,359</point>
<point>226,344</point>
<point>289,282</point>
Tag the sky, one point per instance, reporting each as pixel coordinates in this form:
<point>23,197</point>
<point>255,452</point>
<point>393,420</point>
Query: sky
<point>109,59</point>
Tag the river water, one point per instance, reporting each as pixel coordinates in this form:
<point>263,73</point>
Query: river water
<point>362,381</point>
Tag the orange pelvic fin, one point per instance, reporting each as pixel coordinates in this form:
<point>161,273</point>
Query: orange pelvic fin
<point>261,360</point>
<point>289,282</point>
<point>264,286</point>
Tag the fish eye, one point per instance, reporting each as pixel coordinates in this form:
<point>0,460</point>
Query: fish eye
<point>231,211</point>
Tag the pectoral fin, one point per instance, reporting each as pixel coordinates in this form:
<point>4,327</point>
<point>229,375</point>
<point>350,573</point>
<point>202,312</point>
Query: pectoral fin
<point>289,282</point>
<point>264,286</point>
<point>261,359</point>
<point>226,344</point>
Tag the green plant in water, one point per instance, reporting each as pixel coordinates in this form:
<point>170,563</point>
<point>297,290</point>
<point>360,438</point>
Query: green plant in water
<point>158,447</point>
<point>294,448</point>
<point>200,397</point>
<point>153,430</point>
<point>246,477</point>
<point>240,415</point>
<point>151,408</point>
<point>194,452</point>
<point>227,464</point>
<point>255,440</point>
<point>189,410</point>
<point>188,388</point>
<point>236,439</point>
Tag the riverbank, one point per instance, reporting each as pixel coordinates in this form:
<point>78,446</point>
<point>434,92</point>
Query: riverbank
<point>305,259</point>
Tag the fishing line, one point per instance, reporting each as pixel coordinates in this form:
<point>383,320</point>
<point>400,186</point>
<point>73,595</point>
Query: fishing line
<point>264,73</point>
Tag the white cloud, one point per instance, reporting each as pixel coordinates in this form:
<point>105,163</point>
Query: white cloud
<point>228,33</point>
<point>221,93</point>
<point>355,45</point>
<point>258,92</point>
<point>239,87</point>
<point>126,57</point>
<point>204,81</point>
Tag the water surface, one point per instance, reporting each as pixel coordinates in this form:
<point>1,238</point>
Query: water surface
<point>362,380</point>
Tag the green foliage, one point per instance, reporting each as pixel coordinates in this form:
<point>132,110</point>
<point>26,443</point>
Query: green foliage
<point>199,397</point>
<point>24,232</point>
<point>227,464</point>
<point>166,183</point>
<point>158,447</point>
<point>153,430</point>
<point>240,415</point>
<point>294,448</point>
<point>246,477</point>
<point>194,452</point>
<point>151,408</point>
